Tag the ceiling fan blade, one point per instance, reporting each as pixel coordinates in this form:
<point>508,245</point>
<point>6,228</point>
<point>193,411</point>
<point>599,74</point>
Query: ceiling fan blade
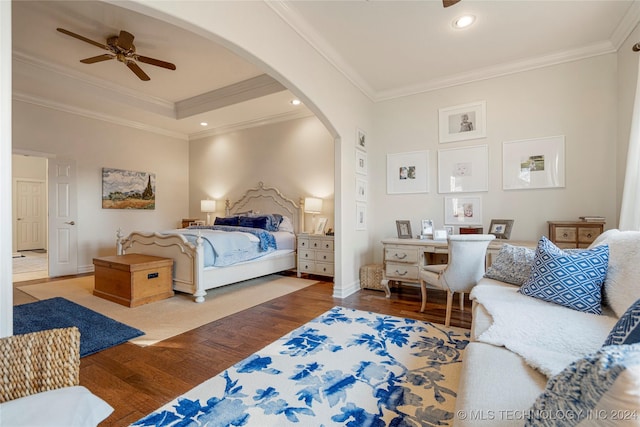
<point>155,62</point>
<point>98,58</point>
<point>84,39</point>
<point>125,40</point>
<point>138,71</point>
<point>447,3</point>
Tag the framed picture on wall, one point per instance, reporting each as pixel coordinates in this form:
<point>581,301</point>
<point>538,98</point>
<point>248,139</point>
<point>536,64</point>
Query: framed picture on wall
<point>533,163</point>
<point>361,139</point>
<point>463,122</point>
<point>408,172</point>
<point>361,162</point>
<point>463,210</point>
<point>463,170</point>
<point>361,216</point>
<point>361,189</point>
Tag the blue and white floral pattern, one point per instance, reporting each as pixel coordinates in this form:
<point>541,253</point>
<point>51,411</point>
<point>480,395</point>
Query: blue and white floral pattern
<point>344,368</point>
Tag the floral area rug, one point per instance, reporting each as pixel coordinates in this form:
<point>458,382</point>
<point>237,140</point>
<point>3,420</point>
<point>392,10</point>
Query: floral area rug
<point>344,368</point>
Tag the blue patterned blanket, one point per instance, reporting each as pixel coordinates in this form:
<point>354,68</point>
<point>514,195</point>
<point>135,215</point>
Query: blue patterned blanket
<point>344,368</point>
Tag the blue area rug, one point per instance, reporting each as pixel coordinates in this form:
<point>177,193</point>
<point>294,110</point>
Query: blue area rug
<point>344,368</point>
<point>97,332</point>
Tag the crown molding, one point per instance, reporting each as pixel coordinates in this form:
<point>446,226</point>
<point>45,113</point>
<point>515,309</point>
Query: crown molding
<point>276,118</point>
<point>627,25</point>
<point>318,43</point>
<point>29,99</point>
<point>499,71</point>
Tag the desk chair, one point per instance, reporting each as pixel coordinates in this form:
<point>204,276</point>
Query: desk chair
<point>467,253</point>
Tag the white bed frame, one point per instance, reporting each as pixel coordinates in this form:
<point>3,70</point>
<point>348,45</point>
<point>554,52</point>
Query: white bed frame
<point>189,274</point>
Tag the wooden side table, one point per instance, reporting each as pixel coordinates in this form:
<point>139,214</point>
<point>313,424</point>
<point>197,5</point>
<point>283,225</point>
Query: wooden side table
<point>133,279</point>
<point>574,234</point>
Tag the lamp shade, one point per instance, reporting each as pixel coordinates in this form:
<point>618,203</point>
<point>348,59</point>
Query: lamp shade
<point>207,205</point>
<point>312,205</point>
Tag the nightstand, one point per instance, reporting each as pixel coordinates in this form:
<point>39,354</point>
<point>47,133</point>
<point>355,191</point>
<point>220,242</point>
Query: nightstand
<point>574,234</point>
<point>315,254</point>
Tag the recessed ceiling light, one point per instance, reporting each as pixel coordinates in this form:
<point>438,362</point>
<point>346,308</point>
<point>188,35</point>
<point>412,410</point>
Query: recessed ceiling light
<point>463,21</point>
<point>296,102</point>
<point>203,123</point>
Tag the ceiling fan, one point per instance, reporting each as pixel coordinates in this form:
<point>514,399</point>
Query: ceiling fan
<point>120,47</point>
<point>447,3</point>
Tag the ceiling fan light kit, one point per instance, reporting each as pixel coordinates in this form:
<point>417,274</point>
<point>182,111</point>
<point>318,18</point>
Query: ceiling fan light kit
<point>121,48</point>
<point>463,21</point>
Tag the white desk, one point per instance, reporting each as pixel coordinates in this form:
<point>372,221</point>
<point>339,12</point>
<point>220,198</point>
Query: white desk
<point>403,258</point>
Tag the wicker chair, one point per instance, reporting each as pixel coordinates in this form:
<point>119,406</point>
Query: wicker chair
<point>39,361</point>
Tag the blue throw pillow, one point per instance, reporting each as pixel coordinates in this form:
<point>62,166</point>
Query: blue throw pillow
<point>627,329</point>
<point>228,220</point>
<point>572,279</point>
<point>599,389</point>
<point>254,222</point>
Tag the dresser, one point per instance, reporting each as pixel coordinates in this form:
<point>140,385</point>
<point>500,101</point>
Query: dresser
<point>574,234</point>
<point>315,254</point>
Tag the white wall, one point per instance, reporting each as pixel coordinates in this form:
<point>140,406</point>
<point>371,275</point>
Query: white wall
<point>256,32</point>
<point>95,144</point>
<point>577,100</point>
<point>295,156</point>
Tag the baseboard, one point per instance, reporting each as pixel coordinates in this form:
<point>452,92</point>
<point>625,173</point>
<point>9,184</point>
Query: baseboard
<point>86,269</point>
<point>345,291</point>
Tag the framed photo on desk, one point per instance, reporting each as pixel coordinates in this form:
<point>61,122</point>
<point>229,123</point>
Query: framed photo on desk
<point>404,229</point>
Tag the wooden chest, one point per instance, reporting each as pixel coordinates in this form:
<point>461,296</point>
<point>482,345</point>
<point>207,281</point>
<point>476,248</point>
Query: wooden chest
<point>574,234</point>
<point>133,279</point>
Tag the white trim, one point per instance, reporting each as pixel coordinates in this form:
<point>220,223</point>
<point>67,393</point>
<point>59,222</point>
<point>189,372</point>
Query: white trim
<point>6,222</point>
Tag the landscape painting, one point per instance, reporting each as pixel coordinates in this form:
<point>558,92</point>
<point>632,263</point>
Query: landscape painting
<point>123,189</point>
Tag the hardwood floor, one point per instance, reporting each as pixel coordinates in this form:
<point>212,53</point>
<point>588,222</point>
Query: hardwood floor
<point>137,380</point>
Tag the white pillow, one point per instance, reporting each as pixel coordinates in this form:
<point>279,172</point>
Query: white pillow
<point>621,285</point>
<point>67,406</point>
<point>286,225</point>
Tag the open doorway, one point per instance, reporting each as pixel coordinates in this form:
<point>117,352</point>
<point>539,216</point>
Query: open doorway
<point>29,201</point>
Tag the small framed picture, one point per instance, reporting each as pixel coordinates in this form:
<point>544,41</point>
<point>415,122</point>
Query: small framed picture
<point>320,225</point>
<point>404,229</point>
<point>427,227</point>
<point>449,229</point>
<point>361,216</point>
<point>463,210</point>
<point>501,228</point>
<point>440,234</point>
<point>361,162</point>
<point>361,139</point>
<point>361,189</point>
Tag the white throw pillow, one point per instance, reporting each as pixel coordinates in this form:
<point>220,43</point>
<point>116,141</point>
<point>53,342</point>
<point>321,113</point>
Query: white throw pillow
<point>67,406</point>
<point>286,225</point>
<point>621,284</point>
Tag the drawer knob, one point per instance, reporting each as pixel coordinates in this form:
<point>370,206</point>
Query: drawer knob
<point>400,274</point>
<point>565,235</point>
<point>403,256</point>
<point>589,235</point>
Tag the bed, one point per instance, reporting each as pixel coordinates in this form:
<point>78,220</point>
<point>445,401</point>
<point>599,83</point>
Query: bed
<point>191,250</point>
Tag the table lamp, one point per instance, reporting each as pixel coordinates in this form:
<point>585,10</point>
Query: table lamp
<point>208,206</point>
<point>313,206</point>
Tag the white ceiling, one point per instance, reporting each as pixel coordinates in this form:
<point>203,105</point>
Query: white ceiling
<point>386,48</point>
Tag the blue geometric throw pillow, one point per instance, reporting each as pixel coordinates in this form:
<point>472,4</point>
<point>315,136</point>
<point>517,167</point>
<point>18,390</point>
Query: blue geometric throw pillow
<point>627,329</point>
<point>572,279</point>
<point>599,389</point>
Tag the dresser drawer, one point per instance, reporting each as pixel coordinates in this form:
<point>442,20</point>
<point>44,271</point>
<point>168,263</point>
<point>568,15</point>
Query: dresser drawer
<point>399,271</point>
<point>566,234</point>
<point>588,234</point>
<point>324,256</point>
<point>306,255</point>
<point>303,243</point>
<point>306,266</point>
<point>401,254</point>
<point>326,245</point>
<point>324,268</point>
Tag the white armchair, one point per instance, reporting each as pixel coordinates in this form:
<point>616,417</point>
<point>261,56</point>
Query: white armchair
<point>467,253</point>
